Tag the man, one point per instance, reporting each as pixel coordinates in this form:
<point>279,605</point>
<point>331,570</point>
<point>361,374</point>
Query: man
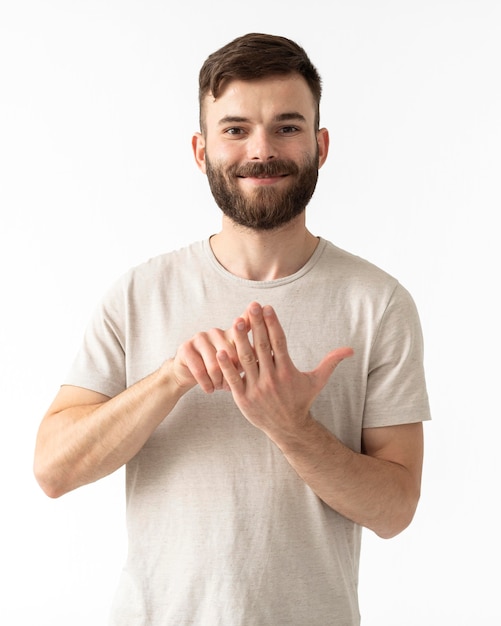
<point>251,466</point>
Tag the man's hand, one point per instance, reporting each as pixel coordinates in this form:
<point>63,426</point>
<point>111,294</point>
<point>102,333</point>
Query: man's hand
<point>196,362</point>
<point>267,387</point>
<point>378,489</point>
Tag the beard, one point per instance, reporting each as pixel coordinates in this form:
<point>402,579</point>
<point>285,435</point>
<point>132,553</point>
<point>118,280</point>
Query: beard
<point>265,208</point>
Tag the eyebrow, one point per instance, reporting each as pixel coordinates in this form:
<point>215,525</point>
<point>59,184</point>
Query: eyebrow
<point>281,117</point>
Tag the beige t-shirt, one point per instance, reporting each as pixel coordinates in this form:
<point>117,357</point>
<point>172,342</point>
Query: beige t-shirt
<point>222,531</point>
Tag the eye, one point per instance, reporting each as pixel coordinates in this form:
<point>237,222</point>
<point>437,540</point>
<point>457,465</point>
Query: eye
<point>288,130</point>
<point>234,131</point>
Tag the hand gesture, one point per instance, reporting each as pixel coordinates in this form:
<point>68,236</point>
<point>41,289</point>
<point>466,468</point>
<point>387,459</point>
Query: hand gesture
<point>266,386</point>
<point>196,363</point>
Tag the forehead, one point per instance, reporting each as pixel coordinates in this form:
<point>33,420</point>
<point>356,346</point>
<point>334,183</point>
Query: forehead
<point>261,99</point>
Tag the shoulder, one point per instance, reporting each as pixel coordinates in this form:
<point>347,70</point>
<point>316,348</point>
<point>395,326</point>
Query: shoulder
<point>354,276</point>
<point>173,261</point>
<point>365,288</point>
<point>353,265</point>
<point>162,269</point>
<point>141,282</point>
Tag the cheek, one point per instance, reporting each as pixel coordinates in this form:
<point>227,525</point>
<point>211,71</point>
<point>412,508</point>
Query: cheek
<point>224,151</point>
<point>224,154</point>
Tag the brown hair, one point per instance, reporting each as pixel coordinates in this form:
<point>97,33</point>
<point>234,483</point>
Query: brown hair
<point>253,56</point>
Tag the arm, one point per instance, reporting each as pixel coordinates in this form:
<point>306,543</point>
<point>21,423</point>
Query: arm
<point>378,489</point>
<point>85,435</point>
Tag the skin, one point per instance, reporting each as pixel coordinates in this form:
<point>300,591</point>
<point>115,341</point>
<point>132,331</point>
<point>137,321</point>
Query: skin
<point>85,436</point>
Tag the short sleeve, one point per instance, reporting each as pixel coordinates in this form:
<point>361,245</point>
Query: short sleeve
<point>100,362</point>
<point>396,386</point>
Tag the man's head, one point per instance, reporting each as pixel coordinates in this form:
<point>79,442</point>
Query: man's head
<point>260,144</point>
<point>255,56</point>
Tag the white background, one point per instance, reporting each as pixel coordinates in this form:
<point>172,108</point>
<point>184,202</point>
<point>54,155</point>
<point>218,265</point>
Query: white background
<point>98,104</point>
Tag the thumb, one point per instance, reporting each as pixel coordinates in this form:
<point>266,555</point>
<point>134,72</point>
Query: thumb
<point>328,364</point>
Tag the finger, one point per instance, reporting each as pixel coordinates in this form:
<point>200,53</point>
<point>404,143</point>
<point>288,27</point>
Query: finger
<point>215,340</point>
<point>260,336</point>
<point>197,367</point>
<point>245,351</point>
<point>276,337</point>
<point>233,379</point>
<point>200,358</point>
<point>328,364</point>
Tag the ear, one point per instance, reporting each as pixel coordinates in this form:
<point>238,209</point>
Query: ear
<point>198,145</point>
<point>323,146</point>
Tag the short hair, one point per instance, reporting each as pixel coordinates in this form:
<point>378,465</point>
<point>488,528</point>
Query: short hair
<point>254,56</point>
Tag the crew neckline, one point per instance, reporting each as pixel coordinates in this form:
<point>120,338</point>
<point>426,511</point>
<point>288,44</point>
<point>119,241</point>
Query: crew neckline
<point>310,263</point>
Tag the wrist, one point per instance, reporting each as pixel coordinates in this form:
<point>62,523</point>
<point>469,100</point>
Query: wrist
<point>298,435</point>
<point>170,379</point>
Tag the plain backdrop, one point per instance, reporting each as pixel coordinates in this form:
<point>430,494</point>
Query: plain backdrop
<point>98,103</point>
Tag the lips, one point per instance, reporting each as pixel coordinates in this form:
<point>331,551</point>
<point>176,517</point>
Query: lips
<point>263,177</point>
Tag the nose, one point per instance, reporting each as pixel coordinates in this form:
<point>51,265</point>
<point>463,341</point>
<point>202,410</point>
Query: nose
<point>260,146</point>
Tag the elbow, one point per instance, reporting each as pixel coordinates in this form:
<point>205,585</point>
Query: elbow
<point>52,493</point>
<point>47,486</point>
<point>390,530</point>
<point>50,490</point>
<point>50,470</point>
<point>46,478</point>
<point>398,521</point>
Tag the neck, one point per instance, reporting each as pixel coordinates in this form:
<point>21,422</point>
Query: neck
<point>263,255</point>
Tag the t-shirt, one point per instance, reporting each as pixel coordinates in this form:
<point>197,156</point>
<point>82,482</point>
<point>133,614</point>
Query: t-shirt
<point>221,529</point>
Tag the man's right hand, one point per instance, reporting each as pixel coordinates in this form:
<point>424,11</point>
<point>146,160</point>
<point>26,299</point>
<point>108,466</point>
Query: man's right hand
<point>86,435</point>
<point>196,363</point>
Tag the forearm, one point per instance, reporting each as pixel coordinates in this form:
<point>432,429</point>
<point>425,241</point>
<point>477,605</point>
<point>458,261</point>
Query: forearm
<point>378,494</point>
<point>81,444</point>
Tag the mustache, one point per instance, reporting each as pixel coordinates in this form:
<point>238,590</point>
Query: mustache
<point>278,167</point>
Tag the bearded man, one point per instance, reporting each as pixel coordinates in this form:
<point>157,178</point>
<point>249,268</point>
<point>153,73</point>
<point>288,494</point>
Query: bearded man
<point>264,388</point>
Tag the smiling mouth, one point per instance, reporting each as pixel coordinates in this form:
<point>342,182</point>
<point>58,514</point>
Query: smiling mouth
<point>262,176</point>
<point>280,168</point>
